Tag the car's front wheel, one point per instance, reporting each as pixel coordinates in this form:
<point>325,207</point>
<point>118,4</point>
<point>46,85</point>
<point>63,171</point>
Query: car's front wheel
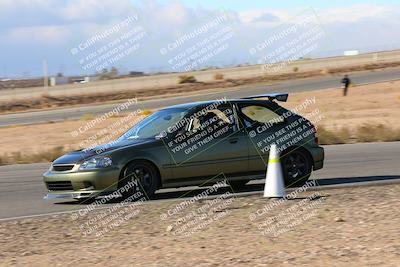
<point>146,176</point>
<point>297,167</point>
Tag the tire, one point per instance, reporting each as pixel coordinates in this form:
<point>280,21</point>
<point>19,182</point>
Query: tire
<point>238,184</point>
<point>297,167</point>
<point>147,175</point>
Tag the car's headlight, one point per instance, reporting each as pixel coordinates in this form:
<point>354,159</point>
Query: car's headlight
<point>96,163</point>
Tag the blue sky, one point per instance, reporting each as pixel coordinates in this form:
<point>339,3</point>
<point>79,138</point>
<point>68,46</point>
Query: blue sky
<point>35,30</point>
<point>240,5</point>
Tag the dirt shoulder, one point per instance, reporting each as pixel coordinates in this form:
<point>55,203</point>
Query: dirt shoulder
<point>47,100</point>
<point>343,227</point>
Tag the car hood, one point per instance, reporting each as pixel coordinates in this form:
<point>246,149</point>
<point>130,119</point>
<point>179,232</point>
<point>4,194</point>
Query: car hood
<point>83,154</point>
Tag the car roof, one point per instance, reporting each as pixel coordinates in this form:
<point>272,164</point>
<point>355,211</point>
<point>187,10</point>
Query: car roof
<point>210,102</point>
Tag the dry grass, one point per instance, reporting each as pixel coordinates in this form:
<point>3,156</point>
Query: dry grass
<point>186,79</point>
<point>374,104</point>
<point>333,137</point>
<point>42,142</point>
<point>22,158</point>
<point>218,76</point>
<point>376,133</point>
<point>362,134</point>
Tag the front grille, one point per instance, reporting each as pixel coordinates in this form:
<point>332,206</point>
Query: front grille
<point>59,186</point>
<point>62,168</point>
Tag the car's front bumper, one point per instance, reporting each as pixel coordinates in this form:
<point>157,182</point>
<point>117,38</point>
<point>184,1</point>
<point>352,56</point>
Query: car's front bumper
<point>81,184</point>
<point>54,195</point>
<point>72,195</point>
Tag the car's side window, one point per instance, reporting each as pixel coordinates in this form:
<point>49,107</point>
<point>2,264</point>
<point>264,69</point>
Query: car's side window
<point>259,114</point>
<point>222,117</point>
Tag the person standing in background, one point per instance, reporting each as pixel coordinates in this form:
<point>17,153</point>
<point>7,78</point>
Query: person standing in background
<point>345,84</point>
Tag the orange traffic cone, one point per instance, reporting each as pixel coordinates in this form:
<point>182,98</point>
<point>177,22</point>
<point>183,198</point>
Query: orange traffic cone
<point>274,183</point>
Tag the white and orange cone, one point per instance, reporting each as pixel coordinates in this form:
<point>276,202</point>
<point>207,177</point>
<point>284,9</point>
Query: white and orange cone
<point>274,183</point>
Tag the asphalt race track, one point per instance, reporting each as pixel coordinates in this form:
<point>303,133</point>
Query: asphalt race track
<point>22,190</point>
<point>286,86</point>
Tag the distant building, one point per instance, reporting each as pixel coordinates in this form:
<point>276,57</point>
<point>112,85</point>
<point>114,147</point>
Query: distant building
<point>351,53</point>
<point>84,79</point>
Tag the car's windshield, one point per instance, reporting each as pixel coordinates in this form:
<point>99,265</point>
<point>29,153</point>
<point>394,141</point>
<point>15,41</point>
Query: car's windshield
<point>153,125</point>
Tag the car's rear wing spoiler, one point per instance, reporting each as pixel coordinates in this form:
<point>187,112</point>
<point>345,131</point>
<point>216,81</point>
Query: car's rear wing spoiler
<point>271,97</point>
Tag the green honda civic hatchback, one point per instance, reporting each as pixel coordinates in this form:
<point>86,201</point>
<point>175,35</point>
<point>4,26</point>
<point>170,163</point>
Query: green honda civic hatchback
<point>190,145</point>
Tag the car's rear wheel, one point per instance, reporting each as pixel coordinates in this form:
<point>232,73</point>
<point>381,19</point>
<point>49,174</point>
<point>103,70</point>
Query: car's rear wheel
<point>145,173</point>
<point>297,167</point>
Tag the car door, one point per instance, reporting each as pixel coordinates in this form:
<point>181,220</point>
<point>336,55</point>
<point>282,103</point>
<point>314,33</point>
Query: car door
<point>214,145</point>
<point>263,124</point>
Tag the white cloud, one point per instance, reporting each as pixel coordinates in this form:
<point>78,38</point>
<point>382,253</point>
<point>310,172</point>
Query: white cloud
<point>174,14</point>
<point>48,35</point>
<point>354,13</point>
<point>94,10</point>
<point>61,25</point>
<point>26,13</point>
<point>348,14</point>
<point>255,16</point>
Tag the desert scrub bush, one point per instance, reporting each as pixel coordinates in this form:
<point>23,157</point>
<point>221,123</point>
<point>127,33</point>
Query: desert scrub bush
<point>45,156</point>
<point>45,94</point>
<point>295,69</point>
<point>3,161</point>
<point>186,79</point>
<point>325,71</point>
<point>16,157</point>
<point>332,137</point>
<point>375,133</point>
<point>52,154</point>
<point>218,76</point>
<point>362,134</point>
